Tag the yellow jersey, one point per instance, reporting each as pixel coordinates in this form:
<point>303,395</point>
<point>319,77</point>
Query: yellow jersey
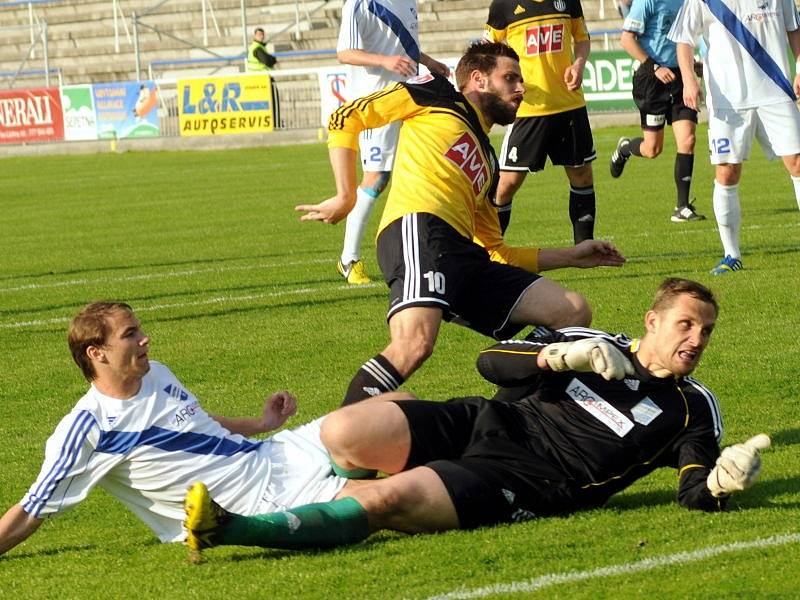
<point>444,164</point>
<point>542,32</point>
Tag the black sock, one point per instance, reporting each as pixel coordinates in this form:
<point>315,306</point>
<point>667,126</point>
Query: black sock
<point>684,166</point>
<point>375,376</point>
<point>504,214</point>
<point>582,212</point>
<point>632,147</point>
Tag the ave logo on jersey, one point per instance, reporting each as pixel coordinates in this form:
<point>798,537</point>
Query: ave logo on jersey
<point>543,39</point>
<point>464,153</point>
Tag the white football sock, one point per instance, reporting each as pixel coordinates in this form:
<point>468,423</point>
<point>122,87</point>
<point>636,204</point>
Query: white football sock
<point>729,217</point>
<point>796,184</point>
<point>356,224</point>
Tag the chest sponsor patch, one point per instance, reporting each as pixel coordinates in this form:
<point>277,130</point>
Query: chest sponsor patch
<point>464,153</point>
<point>645,411</point>
<point>543,39</point>
<point>599,408</point>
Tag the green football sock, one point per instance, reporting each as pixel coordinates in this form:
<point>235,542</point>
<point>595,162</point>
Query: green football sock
<point>353,473</point>
<point>320,525</point>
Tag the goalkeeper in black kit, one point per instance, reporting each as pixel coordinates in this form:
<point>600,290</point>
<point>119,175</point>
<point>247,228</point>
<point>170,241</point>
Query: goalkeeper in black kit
<point>582,415</point>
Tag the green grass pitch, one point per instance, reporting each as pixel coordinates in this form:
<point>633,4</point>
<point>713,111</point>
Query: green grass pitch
<point>242,299</point>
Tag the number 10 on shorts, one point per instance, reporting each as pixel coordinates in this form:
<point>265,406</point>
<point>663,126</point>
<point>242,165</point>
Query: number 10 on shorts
<point>435,281</point>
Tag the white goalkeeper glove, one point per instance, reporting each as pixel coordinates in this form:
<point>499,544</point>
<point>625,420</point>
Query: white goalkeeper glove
<point>588,355</point>
<point>738,467</point>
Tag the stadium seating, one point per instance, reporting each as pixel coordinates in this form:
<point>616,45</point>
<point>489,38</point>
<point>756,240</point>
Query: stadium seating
<point>82,43</point>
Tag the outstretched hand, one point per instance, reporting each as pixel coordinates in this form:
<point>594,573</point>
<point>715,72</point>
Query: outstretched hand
<point>277,410</point>
<point>331,211</point>
<point>597,253</point>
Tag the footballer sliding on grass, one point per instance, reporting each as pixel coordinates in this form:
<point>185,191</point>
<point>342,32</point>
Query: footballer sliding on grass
<point>582,415</point>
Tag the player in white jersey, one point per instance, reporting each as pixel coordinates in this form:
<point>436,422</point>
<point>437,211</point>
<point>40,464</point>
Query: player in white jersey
<point>143,437</point>
<point>381,37</point>
<point>748,94</point>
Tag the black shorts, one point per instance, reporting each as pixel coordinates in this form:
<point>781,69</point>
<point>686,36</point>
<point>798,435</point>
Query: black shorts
<point>565,137</point>
<point>426,262</point>
<point>659,103</point>
<point>479,450</point>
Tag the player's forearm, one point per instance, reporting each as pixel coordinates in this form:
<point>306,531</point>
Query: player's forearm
<point>16,526</point>
<point>246,426</point>
<point>582,50</point>
<point>343,164</point>
<point>360,58</point>
<point>630,43</point>
<point>794,43</point>
<point>510,364</point>
<point>555,258</point>
<point>686,62</point>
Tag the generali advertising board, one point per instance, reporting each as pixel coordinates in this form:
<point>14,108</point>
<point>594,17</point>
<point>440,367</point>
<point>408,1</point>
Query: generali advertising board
<point>32,115</point>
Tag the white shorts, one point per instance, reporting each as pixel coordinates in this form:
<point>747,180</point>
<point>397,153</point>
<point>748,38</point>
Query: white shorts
<point>731,132</point>
<point>300,470</point>
<point>378,147</point>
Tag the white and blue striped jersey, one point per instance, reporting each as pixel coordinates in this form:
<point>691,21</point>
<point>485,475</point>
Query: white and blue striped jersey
<point>747,62</point>
<point>387,27</point>
<point>148,449</point>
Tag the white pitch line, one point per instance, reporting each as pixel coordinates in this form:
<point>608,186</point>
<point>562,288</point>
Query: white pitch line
<point>203,302</point>
<point>537,583</point>
<point>170,274</point>
<point>167,274</point>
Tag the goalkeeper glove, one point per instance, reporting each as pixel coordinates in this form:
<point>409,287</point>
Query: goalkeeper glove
<point>588,355</point>
<point>737,467</point>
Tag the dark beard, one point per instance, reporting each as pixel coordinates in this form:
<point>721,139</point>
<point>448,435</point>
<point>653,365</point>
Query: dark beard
<point>498,111</point>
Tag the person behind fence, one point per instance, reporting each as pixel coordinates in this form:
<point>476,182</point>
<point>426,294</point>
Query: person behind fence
<point>258,59</point>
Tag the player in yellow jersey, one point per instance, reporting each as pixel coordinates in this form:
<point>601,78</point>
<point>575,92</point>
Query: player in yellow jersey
<point>444,176</point>
<point>551,40</point>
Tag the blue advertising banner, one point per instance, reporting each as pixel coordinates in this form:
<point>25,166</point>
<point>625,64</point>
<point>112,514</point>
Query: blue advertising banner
<point>126,110</point>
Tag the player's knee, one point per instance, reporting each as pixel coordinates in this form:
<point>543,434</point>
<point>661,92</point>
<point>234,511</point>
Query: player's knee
<point>575,312</point>
<point>793,165</point>
<point>727,176</point>
<point>338,433</point>
<point>651,150</point>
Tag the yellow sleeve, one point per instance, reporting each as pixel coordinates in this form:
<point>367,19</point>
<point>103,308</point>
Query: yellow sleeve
<point>392,103</point>
<point>493,35</point>
<point>488,235</point>
<point>579,31</point>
